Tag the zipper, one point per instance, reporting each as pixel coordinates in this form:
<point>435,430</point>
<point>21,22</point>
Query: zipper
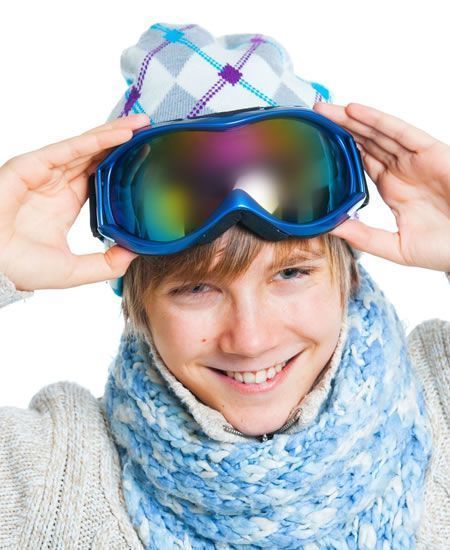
<point>295,416</point>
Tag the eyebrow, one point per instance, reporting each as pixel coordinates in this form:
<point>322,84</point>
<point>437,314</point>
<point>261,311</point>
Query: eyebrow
<point>298,257</point>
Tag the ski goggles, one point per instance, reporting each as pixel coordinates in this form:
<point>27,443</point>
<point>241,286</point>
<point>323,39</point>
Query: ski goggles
<point>280,171</point>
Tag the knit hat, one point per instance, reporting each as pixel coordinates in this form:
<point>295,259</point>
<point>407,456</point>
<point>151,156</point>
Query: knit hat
<point>182,71</point>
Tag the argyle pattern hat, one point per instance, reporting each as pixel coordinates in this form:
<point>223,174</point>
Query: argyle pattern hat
<point>183,71</point>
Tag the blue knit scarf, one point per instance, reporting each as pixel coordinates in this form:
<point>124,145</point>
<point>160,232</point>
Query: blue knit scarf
<point>353,478</point>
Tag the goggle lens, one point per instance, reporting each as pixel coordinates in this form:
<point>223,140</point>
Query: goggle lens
<point>169,186</point>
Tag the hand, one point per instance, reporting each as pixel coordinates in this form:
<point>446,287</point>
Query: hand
<point>41,195</point>
<point>411,171</point>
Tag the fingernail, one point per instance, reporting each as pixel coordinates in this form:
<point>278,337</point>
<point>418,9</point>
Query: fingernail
<point>142,116</point>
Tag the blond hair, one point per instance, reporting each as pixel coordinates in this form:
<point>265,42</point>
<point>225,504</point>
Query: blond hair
<point>235,250</point>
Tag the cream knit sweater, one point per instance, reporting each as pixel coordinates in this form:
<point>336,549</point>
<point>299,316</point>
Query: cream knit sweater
<point>59,468</point>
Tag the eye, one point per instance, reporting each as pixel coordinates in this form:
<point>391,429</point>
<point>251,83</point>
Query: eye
<point>200,289</point>
<point>295,272</point>
<point>190,289</point>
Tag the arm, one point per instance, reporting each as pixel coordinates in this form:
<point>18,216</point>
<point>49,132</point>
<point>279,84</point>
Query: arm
<point>26,442</point>
<point>429,349</point>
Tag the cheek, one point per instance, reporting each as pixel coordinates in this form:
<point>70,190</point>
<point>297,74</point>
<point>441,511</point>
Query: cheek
<point>180,336</point>
<point>317,314</point>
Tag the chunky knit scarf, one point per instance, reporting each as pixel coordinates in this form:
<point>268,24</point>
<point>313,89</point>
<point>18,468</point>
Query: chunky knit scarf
<point>353,478</point>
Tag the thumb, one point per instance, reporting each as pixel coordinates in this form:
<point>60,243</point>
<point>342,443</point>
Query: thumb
<point>378,242</point>
<point>99,267</point>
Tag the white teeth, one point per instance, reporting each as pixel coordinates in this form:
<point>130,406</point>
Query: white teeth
<point>260,376</point>
<point>249,377</point>
<point>271,372</point>
<point>257,377</point>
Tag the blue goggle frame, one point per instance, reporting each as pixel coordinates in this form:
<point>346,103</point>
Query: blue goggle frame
<point>238,206</point>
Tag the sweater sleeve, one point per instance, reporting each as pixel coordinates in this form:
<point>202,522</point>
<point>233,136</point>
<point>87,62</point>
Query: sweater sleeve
<point>429,348</point>
<point>60,477</point>
<point>25,444</point>
<point>9,292</point>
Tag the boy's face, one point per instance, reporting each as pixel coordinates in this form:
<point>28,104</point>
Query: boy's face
<point>259,320</point>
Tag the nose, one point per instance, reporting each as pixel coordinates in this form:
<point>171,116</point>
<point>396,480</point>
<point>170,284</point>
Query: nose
<point>250,329</point>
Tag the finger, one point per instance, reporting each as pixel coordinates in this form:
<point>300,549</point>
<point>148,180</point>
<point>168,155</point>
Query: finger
<point>68,150</point>
<point>136,120</point>
<point>86,165</point>
<point>378,242</point>
<point>372,165</point>
<point>377,152</point>
<point>37,168</point>
<point>340,115</point>
<point>88,144</point>
<point>380,165</point>
<point>399,130</point>
<point>78,175</point>
<point>98,267</point>
<point>80,186</point>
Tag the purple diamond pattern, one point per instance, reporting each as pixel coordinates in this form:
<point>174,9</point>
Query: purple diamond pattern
<point>230,74</point>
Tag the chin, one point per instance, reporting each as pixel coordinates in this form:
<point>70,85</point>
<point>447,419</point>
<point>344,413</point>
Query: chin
<point>257,423</point>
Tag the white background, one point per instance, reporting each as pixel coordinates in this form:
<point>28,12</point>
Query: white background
<point>60,76</point>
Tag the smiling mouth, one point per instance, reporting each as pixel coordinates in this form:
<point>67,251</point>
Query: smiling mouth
<point>258,378</point>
